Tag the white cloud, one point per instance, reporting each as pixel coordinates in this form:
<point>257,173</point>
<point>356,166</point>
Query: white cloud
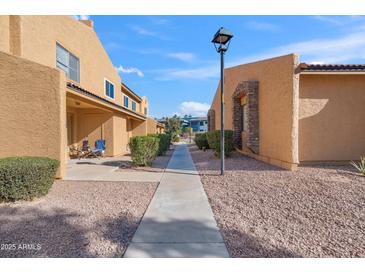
<point>339,20</point>
<point>159,21</point>
<point>194,108</point>
<point>317,62</point>
<point>329,19</point>
<point>346,48</point>
<point>262,26</point>
<point>144,32</point>
<point>332,50</point>
<point>182,56</point>
<point>130,70</point>
<point>205,72</point>
<point>82,17</point>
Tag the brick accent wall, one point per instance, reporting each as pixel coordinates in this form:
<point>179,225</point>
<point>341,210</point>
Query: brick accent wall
<point>251,90</point>
<point>211,120</point>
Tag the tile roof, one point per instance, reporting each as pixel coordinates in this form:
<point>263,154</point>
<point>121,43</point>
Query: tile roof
<point>332,67</point>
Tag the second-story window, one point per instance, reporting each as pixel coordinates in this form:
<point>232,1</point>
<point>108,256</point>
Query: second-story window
<point>109,89</point>
<point>134,106</point>
<point>145,111</point>
<point>68,62</point>
<point>125,101</point>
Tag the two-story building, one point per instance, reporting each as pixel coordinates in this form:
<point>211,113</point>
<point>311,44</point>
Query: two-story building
<point>198,124</point>
<point>59,87</point>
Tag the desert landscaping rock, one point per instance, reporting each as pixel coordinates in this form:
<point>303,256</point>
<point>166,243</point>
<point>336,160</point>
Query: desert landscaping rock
<point>264,211</point>
<point>76,219</point>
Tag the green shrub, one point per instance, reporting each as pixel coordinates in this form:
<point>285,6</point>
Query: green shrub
<point>176,138</point>
<point>359,166</point>
<point>144,149</point>
<point>201,140</point>
<point>164,142</point>
<point>213,138</point>
<point>24,178</point>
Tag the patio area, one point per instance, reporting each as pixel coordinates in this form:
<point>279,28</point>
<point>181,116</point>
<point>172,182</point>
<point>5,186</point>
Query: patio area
<point>114,169</point>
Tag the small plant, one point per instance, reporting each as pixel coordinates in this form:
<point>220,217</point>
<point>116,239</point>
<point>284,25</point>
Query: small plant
<point>359,166</point>
<point>164,142</point>
<point>25,178</point>
<point>144,149</point>
<point>176,138</point>
<point>213,138</point>
<point>201,140</point>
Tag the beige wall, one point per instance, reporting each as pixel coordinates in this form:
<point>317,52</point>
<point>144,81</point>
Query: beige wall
<point>278,105</point>
<point>139,128</point>
<point>121,135</point>
<point>98,123</point>
<point>33,110</point>
<point>4,33</point>
<point>144,104</point>
<point>152,126</point>
<point>39,35</point>
<point>332,111</point>
<point>40,90</point>
<point>132,97</point>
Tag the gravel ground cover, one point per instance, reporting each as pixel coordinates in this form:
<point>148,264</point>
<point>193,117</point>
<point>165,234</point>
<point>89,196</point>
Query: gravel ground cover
<point>264,211</point>
<point>76,219</point>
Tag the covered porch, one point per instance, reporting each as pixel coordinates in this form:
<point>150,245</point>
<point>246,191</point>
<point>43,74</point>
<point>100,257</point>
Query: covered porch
<point>92,119</point>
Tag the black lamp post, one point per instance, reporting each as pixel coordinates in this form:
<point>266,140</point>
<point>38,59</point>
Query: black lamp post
<point>221,42</point>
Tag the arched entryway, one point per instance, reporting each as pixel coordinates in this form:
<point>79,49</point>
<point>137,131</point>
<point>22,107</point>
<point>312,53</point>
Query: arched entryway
<point>246,116</point>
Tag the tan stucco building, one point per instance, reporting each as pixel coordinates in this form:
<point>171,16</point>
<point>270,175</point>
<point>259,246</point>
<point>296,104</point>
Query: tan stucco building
<point>59,87</point>
<point>287,113</point>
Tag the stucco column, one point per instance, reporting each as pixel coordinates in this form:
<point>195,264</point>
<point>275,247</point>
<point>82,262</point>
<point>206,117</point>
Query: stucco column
<point>295,113</point>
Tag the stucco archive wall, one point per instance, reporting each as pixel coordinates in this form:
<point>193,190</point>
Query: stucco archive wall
<point>29,124</point>
<point>278,106</point>
<point>331,120</point>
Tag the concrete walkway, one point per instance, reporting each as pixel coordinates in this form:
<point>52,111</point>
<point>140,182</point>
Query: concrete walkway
<point>179,221</point>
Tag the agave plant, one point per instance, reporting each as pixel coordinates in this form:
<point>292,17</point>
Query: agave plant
<point>359,166</point>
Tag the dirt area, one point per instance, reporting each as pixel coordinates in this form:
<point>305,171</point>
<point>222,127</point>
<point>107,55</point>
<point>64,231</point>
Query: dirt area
<point>264,211</point>
<point>76,219</point>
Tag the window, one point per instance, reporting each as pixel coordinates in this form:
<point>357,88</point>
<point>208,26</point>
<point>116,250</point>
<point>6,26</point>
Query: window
<point>202,123</point>
<point>134,106</point>
<point>145,111</point>
<point>125,101</point>
<point>68,62</point>
<point>109,89</point>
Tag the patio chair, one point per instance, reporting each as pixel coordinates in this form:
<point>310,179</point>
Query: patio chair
<point>88,152</point>
<point>99,147</point>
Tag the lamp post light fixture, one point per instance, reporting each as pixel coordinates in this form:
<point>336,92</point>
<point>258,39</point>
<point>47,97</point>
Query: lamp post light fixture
<point>221,41</point>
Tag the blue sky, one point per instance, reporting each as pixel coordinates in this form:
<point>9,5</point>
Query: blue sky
<point>171,60</point>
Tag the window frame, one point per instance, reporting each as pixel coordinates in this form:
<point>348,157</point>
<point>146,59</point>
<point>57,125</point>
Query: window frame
<point>110,82</point>
<point>125,96</point>
<point>135,104</point>
<point>69,54</point>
